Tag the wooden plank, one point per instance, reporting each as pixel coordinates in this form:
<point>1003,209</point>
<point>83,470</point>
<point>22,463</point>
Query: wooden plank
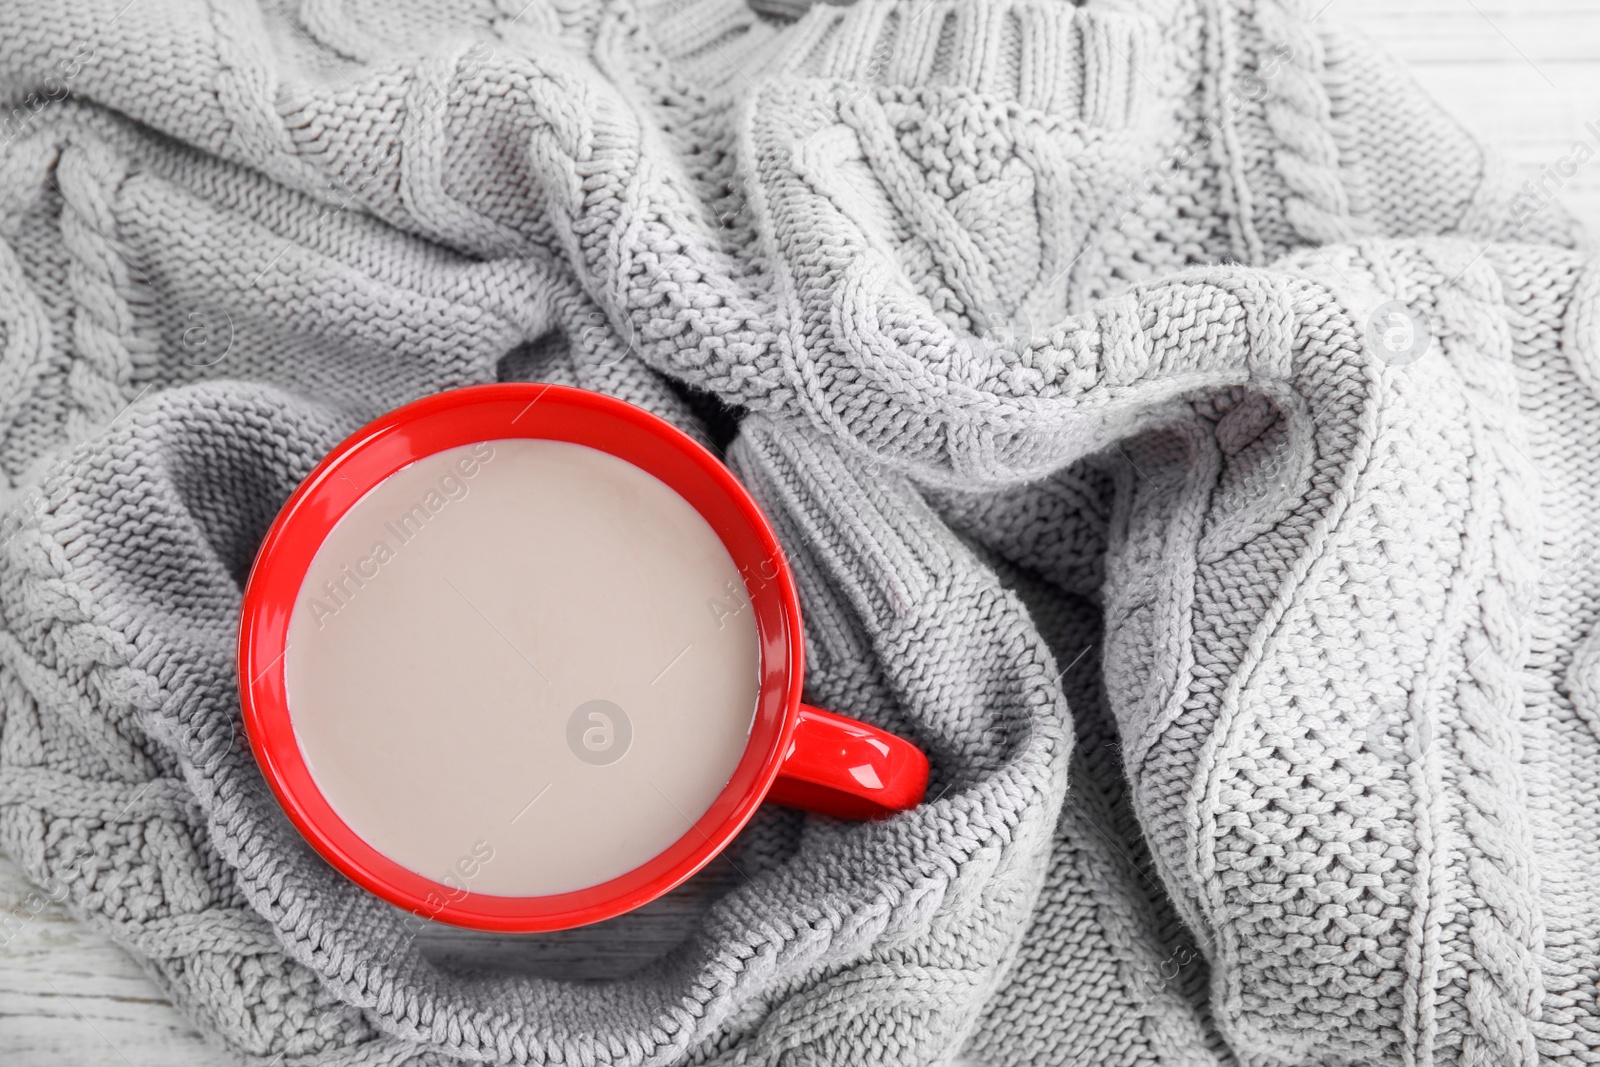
<point>1524,77</point>
<point>1427,32</point>
<point>68,995</point>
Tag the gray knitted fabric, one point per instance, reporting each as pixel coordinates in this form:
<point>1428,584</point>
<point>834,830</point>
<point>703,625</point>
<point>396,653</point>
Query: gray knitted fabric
<point>1256,665</point>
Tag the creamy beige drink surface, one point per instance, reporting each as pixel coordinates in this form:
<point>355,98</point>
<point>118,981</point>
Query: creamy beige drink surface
<point>522,667</point>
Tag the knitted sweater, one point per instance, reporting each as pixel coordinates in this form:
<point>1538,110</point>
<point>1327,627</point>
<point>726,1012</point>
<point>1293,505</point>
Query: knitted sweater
<point>1175,425</point>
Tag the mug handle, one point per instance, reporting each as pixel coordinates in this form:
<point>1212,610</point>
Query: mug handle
<point>844,768</point>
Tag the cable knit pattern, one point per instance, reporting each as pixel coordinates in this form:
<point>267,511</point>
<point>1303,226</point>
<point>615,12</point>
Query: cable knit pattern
<point>1255,659</point>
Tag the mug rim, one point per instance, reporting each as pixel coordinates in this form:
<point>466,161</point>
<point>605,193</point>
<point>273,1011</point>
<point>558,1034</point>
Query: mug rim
<point>466,416</point>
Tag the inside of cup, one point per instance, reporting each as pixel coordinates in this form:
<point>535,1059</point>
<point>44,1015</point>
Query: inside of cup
<point>489,413</point>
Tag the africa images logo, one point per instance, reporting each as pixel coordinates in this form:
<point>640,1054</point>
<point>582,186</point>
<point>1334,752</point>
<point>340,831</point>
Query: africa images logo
<point>1536,194</point>
<point>405,527</point>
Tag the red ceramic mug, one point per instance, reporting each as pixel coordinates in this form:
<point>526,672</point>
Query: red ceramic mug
<point>795,755</point>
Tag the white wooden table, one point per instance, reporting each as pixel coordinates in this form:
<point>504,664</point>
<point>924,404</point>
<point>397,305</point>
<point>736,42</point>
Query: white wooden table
<point>1525,75</point>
